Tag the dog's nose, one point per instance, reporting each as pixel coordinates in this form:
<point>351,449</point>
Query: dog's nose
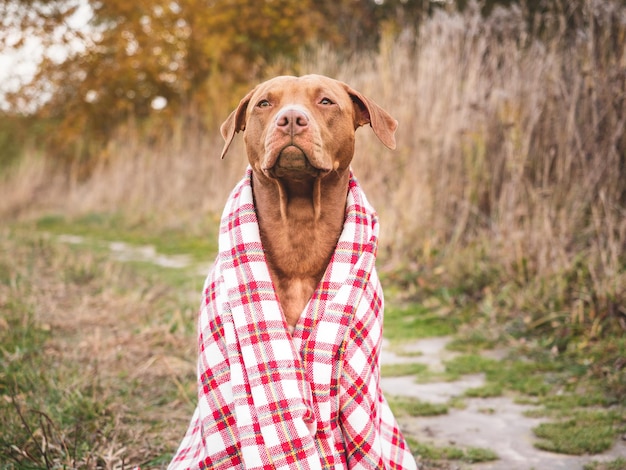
<point>292,120</point>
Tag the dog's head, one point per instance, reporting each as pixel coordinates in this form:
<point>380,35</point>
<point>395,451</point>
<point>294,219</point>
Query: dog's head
<point>297,127</point>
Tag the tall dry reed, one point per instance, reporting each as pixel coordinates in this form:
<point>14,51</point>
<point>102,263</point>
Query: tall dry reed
<point>505,141</point>
<point>502,137</point>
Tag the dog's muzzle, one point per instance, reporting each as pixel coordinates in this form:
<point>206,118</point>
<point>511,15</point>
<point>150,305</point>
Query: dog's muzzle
<point>294,157</point>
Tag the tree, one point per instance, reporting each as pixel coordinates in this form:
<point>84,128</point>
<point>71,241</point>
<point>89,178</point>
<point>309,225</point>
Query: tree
<point>132,53</point>
<point>126,58</point>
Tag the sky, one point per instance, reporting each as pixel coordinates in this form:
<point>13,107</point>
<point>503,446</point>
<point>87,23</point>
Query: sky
<point>18,66</point>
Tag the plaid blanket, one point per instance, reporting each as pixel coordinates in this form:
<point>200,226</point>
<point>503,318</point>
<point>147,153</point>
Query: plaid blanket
<point>268,399</point>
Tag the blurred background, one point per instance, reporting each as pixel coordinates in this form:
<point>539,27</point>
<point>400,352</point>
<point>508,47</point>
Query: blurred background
<point>504,205</point>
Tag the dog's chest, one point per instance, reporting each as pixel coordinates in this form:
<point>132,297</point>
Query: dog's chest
<point>297,260</point>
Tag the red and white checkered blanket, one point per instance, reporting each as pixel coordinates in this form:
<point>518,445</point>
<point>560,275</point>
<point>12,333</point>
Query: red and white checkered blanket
<point>269,399</point>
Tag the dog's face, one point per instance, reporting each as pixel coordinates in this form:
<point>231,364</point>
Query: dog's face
<point>303,127</point>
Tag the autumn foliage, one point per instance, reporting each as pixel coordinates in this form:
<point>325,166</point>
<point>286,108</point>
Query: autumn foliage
<point>108,62</point>
<point>124,59</point>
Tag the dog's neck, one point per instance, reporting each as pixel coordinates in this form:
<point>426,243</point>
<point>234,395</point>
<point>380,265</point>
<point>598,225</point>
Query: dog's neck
<point>300,223</point>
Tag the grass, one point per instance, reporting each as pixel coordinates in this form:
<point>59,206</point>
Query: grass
<point>617,464</point>
<point>171,240</point>
<point>187,252</point>
<point>404,406</point>
<point>487,391</point>
<point>96,358</point>
<point>398,370</point>
<point>584,432</point>
<point>417,321</point>
<point>430,453</point>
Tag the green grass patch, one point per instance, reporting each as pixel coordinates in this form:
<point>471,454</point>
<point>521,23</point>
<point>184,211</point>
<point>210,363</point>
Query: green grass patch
<point>49,413</point>
<point>526,377</point>
<point>479,454</point>
<point>489,390</point>
<point>407,406</point>
<point>399,370</point>
<point>189,280</point>
<point>471,364</point>
<point>566,402</point>
<point>199,243</point>
<point>589,432</point>
<point>144,245</point>
<point>416,321</point>
<point>617,464</point>
<point>430,452</point>
<point>473,341</point>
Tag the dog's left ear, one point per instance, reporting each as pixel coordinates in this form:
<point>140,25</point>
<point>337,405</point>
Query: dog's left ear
<point>368,112</point>
<point>235,122</point>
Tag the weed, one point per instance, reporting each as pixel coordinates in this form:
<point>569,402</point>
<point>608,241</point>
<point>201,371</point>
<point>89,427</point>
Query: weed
<point>398,370</point>
<point>486,391</point>
<point>473,339</point>
<point>199,242</point>
<point>527,377</point>
<point>478,454</point>
<point>44,424</point>
<point>414,407</point>
<point>617,464</point>
<point>416,321</point>
<point>432,452</point>
<point>585,432</point>
<point>85,341</point>
<point>567,402</point>
<point>471,364</point>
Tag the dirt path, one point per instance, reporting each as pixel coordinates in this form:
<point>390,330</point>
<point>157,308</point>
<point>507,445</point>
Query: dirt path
<point>497,424</point>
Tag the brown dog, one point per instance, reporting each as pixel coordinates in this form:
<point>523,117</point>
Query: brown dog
<point>299,137</point>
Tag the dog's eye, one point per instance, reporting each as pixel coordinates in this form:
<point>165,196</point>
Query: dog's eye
<point>326,101</point>
<point>263,104</point>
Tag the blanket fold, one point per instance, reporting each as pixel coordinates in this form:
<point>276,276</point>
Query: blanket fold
<point>307,400</point>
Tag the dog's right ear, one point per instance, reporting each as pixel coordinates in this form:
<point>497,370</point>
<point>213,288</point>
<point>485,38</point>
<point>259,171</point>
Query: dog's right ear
<point>235,122</point>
